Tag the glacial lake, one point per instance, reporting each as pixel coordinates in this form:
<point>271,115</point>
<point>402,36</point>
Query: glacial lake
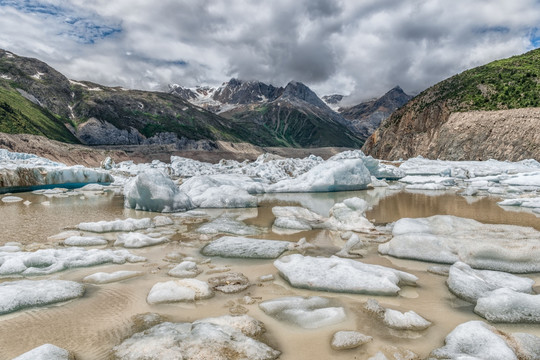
<point>92,325</point>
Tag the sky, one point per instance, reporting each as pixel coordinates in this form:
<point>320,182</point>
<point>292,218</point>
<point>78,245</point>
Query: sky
<point>360,48</point>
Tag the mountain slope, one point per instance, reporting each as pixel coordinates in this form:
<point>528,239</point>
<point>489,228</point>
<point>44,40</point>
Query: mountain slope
<point>422,126</point>
<point>290,116</point>
<point>37,99</point>
<point>366,117</point>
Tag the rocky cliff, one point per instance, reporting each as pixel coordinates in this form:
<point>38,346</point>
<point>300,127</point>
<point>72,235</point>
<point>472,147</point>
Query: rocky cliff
<point>453,119</point>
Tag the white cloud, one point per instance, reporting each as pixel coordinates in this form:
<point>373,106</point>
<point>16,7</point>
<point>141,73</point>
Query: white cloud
<point>348,46</point>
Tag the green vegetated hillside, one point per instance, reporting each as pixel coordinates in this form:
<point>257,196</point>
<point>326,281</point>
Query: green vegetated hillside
<point>413,130</point>
<point>36,99</point>
<point>20,116</point>
<point>281,124</point>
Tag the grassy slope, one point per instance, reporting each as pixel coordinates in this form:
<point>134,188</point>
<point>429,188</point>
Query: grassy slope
<point>503,84</point>
<point>20,116</point>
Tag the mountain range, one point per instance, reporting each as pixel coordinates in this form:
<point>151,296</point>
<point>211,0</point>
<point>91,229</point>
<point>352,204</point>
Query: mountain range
<point>37,99</point>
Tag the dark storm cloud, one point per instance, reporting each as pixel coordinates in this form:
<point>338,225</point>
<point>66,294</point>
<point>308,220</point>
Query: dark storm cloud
<point>360,47</point>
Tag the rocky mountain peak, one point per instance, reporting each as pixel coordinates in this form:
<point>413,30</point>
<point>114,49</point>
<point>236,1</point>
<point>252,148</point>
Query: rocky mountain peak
<point>236,91</point>
<point>297,91</point>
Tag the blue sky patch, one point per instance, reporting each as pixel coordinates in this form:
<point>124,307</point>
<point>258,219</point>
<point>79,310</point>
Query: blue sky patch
<point>81,25</point>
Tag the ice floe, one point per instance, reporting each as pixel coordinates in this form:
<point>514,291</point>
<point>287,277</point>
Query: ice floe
<point>448,239</point>
<point>478,340</point>
<point>332,175</point>
<point>48,261</point>
<point>228,225</point>
<point>396,319</point>
<point>343,340</point>
<point>105,278</point>
<point>307,312</point>
<point>186,269</point>
<point>341,275</point>
<point>45,352</point>
<point>128,224</point>
<point>507,305</point>
<point>25,170</point>
<point>11,199</point>
<point>179,290</point>
<point>138,240</point>
<point>85,241</point>
<point>242,247</point>
<point>348,215</point>
<point>212,338</point>
<point>470,284</point>
<point>154,191</point>
<point>16,295</point>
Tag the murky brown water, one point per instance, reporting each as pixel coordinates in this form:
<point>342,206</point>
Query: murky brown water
<point>92,325</point>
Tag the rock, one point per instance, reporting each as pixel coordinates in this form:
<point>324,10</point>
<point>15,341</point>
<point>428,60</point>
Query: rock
<point>230,283</point>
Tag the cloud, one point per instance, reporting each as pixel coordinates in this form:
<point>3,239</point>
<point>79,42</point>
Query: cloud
<point>335,46</point>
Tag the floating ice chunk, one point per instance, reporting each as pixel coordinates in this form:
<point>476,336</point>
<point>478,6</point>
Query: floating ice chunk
<point>45,352</point>
<point>204,339</point>
<point>349,216</point>
<point>105,278</point>
<point>530,202</point>
<point>523,179</point>
<point>507,305</point>
<point>11,199</point>
<point>225,196</point>
<point>138,240</point>
<point>48,261</point>
<point>377,169</point>
<point>447,239</point>
<point>241,247</point>
<point>396,319</point>
<point>378,183</point>
<point>16,295</point>
<point>353,247</point>
<point>128,224</point>
<point>179,290</point>
<point>244,323</point>
<point>422,166</point>
<point>19,169</point>
<point>343,340</point>
<point>85,241</point>
<point>186,269</point>
<point>197,185</point>
<point>427,186</point>
<point>229,283</point>
<point>470,284</point>
<point>153,191</point>
<point>162,221</point>
<point>307,312</point>
<point>297,218</point>
<point>341,275</point>
<point>227,225</point>
<point>301,245</point>
<point>478,340</point>
<point>92,187</point>
<point>11,247</point>
<point>332,175</point>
